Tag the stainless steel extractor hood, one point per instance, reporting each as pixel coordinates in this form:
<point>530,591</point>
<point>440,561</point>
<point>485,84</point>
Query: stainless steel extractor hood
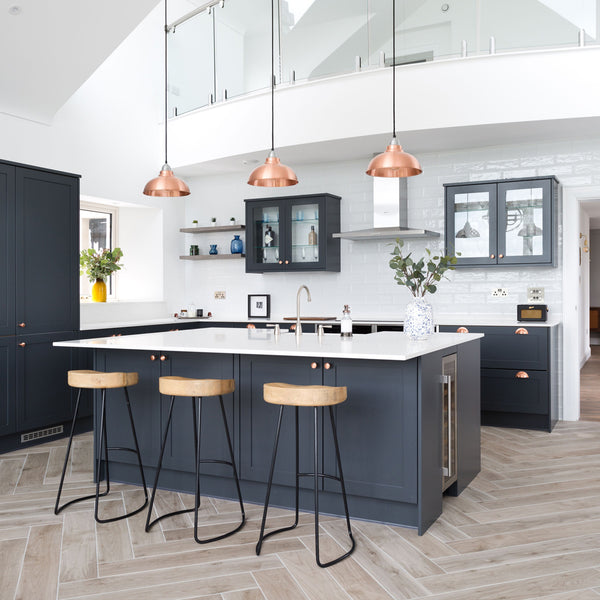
<point>390,214</point>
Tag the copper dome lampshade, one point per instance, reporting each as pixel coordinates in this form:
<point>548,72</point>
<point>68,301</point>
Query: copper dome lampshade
<point>394,162</point>
<point>166,184</point>
<point>272,173</point>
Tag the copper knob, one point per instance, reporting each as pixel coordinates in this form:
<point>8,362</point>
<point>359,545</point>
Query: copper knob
<point>22,324</point>
<point>522,375</point>
<point>462,330</point>
<point>492,256</point>
<point>521,331</point>
<point>500,255</point>
<point>280,262</point>
<point>287,262</point>
<point>313,365</point>
<point>163,357</point>
<point>327,366</point>
<point>250,326</point>
<point>22,344</point>
<point>152,357</point>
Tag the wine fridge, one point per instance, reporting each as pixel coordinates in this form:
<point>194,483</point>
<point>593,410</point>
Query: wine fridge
<point>449,430</point>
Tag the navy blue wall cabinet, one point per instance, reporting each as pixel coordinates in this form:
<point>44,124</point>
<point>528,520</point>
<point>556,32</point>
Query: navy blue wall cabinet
<point>293,233</point>
<point>39,296</point>
<point>519,375</point>
<point>510,222</point>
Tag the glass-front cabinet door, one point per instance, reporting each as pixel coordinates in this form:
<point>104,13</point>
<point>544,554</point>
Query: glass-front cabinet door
<point>503,222</point>
<point>305,234</point>
<point>293,233</point>
<point>264,232</point>
<point>471,223</point>
<point>525,220</point>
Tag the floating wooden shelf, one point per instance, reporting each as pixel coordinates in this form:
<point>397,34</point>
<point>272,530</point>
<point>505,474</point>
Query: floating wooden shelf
<point>212,256</point>
<point>211,229</point>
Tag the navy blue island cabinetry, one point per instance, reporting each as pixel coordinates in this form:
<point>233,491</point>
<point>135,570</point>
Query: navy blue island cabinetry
<point>392,430</point>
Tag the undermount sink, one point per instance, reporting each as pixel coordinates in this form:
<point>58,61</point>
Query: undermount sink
<point>310,318</point>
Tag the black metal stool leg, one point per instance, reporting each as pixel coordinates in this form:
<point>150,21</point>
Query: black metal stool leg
<point>263,536</point>
<point>135,450</point>
<point>103,444</point>
<point>149,523</point>
<point>345,499</point>
<point>58,508</point>
<point>236,480</point>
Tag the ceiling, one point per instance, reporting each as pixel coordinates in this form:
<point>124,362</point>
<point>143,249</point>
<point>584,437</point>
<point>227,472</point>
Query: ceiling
<point>51,47</point>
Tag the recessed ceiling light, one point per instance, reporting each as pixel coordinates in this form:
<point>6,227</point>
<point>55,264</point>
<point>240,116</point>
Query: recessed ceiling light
<point>14,10</point>
<point>250,161</point>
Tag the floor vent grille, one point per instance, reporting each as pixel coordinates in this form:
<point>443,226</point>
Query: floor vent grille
<point>41,433</point>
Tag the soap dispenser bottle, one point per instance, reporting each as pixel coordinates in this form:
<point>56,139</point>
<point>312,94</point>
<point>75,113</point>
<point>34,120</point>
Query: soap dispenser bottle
<point>346,322</point>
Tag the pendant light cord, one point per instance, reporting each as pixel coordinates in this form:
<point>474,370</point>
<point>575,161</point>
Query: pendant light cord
<point>272,76</point>
<point>166,81</point>
<point>393,66</point>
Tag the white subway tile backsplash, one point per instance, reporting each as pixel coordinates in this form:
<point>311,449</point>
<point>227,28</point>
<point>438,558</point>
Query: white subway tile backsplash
<point>366,281</point>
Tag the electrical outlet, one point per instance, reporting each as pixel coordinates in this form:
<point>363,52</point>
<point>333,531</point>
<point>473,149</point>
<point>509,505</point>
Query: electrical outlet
<point>535,294</point>
<point>219,295</point>
<point>499,292</point>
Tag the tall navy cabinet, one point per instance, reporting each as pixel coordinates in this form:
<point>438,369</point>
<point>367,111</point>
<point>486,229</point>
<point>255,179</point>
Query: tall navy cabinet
<point>39,296</point>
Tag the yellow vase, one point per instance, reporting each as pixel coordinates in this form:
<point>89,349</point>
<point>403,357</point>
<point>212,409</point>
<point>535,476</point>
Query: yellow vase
<point>99,291</point>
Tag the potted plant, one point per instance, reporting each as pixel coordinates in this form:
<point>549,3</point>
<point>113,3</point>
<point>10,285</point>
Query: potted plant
<point>213,221</point>
<point>420,277</point>
<point>195,223</point>
<point>232,221</point>
<point>98,266</point>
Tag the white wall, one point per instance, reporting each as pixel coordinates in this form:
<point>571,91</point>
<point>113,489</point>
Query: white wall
<point>110,132</point>
<point>366,282</point>
<point>594,245</point>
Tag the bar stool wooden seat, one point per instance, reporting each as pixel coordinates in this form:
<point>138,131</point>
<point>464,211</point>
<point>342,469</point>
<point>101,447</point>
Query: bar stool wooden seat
<point>197,390</point>
<point>315,396</point>
<point>98,380</point>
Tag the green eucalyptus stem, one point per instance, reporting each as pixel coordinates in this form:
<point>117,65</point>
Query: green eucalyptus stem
<point>420,276</point>
<point>99,265</point>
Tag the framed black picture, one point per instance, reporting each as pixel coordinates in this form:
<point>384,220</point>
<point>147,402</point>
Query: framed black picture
<point>259,306</point>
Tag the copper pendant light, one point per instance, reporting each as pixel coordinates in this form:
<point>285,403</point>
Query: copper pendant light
<point>394,162</point>
<point>272,173</point>
<point>166,184</point>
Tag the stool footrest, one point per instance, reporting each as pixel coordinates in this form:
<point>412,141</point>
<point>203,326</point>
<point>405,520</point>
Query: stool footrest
<point>321,475</point>
<point>110,448</point>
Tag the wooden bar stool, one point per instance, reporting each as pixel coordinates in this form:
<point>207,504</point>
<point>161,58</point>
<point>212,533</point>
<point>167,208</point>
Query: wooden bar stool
<point>314,396</point>
<point>196,389</point>
<point>97,380</point>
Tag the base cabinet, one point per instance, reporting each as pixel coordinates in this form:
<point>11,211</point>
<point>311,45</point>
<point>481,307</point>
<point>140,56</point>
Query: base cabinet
<point>519,375</point>
<point>43,395</point>
<point>389,428</point>
<point>8,421</point>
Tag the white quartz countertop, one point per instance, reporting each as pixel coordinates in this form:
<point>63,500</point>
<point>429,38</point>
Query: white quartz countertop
<point>458,319</point>
<point>220,340</point>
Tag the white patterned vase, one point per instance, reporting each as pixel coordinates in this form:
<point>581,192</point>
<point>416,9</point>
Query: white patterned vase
<point>418,323</point>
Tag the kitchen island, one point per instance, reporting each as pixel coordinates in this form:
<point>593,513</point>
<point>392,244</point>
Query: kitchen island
<point>391,428</point>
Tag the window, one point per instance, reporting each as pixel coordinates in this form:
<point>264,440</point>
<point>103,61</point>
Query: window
<point>97,230</point>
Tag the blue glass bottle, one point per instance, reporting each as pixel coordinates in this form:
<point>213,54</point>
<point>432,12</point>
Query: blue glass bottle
<point>237,246</point>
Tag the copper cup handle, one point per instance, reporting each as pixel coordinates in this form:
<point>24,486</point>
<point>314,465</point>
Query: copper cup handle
<point>314,365</point>
<point>22,344</point>
<point>327,366</point>
<point>522,375</point>
<point>462,330</point>
<point>22,324</point>
<point>521,331</point>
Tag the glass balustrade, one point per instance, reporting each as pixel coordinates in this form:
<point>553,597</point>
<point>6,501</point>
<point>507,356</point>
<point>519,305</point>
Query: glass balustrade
<point>226,53</point>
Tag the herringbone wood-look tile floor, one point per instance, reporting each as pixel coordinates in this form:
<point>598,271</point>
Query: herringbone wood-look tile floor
<point>528,527</point>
